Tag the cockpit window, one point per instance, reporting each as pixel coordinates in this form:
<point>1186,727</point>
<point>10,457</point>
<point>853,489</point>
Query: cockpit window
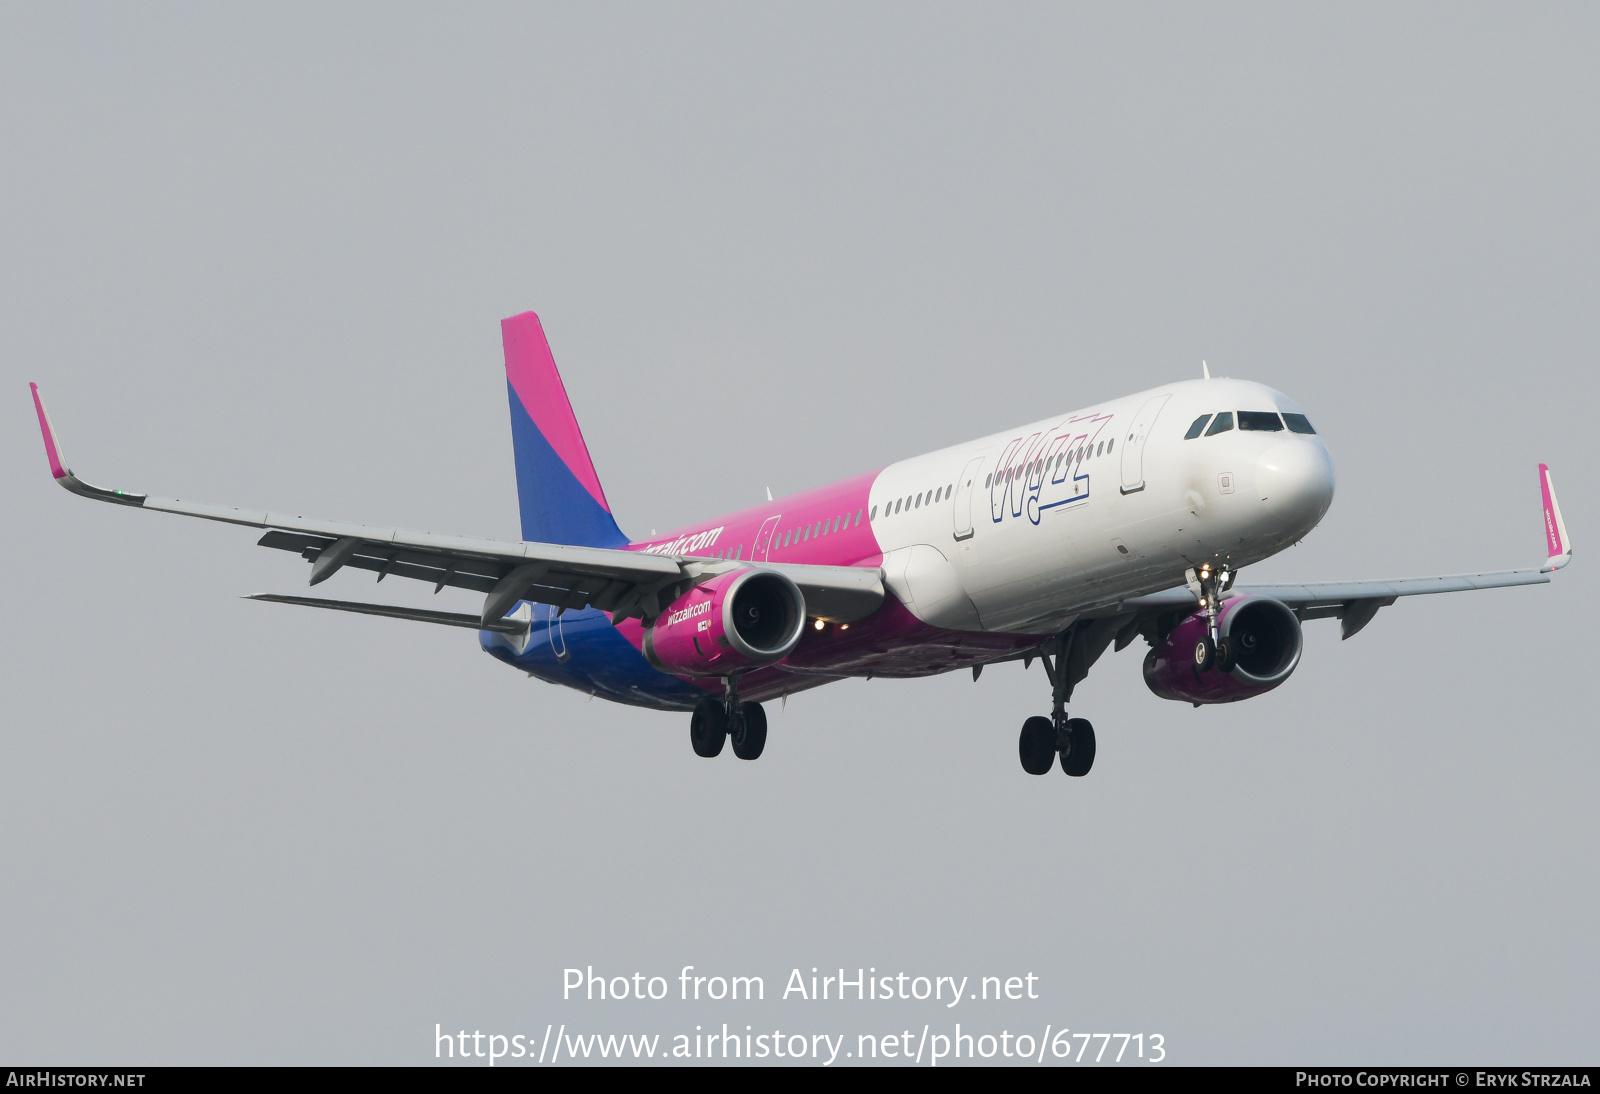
<point>1297,423</point>
<point>1199,425</point>
<point>1223,423</point>
<point>1264,420</point>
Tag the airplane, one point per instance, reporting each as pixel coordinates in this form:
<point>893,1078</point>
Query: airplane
<point>1051,541</point>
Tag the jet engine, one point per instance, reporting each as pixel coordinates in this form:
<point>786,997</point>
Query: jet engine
<point>733,622</point>
<point>1263,640</point>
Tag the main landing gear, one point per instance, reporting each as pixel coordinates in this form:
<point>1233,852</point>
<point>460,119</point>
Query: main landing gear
<point>716,720</point>
<point>1043,739</point>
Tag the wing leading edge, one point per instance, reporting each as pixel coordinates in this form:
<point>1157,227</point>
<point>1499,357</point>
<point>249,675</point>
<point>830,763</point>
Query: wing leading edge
<point>624,583</point>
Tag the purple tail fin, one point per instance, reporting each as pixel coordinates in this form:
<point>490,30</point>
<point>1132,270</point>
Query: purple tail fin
<point>559,493</point>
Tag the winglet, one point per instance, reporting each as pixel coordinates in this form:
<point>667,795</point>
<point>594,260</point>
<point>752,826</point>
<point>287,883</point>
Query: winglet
<point>52,447</point>
<point>1555,529</point>
<point>58,461</point>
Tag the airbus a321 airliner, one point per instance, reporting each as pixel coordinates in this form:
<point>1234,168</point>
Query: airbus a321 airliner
<point>1050,541</point>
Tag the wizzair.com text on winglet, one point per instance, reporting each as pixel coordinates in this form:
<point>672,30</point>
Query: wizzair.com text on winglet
<point>1052,541</point>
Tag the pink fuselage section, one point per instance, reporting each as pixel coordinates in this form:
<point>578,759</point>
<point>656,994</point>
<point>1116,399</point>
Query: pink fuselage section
<point>828,526</point>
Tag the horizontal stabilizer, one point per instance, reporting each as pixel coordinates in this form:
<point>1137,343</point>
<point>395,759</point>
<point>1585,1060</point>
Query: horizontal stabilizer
<point>421,615</point>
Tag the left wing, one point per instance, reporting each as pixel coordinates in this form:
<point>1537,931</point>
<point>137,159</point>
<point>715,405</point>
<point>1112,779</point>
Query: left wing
<point>623,583</point>
<point>1353,603</point>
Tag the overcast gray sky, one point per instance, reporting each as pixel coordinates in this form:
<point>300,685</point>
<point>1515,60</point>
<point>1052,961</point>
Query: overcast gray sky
<point>258,255</point>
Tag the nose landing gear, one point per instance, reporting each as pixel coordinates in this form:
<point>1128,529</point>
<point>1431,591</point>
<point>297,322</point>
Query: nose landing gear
<point>716,720</point>
<point>1043,739</point>
<point>1211,650</point>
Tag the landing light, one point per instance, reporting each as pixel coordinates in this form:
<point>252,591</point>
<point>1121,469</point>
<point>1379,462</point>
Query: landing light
<point>819,624</point>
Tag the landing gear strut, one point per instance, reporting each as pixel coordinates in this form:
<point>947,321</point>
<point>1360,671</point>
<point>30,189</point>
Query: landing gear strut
<point>1043,739</point>
<point>1211,650</point>
<point>715,720</point>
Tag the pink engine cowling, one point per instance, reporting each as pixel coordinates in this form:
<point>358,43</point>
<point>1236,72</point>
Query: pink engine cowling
<point>1265,639</point>
<point>733,622</point>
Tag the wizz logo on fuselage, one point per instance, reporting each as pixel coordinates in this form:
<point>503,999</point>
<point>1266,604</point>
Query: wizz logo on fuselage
<point>1045,470</point>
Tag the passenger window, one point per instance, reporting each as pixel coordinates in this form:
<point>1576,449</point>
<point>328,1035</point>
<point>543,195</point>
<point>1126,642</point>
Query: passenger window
<point>1198,427</point>
<point>737,551</point>
<point>1262,420</point>
<point>1100,448</point>
<point>857,524</point>
<point>897,504</point>
<point>1223,423</point>
<point>874,515</point>
<point>988,481</point>
<point>1109,445</point>
<point>1297,423</point>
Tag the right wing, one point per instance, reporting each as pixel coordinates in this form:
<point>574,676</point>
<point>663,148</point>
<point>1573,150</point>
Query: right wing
<point>623,583</point>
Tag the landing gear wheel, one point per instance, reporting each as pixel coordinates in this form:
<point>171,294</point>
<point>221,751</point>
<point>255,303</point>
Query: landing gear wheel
<point>1078,758</point>
<point>1205,654</point>
<point>750,736</point>
<point>1225,657</point>
<point>708,727</point>
<point>1037,746</point>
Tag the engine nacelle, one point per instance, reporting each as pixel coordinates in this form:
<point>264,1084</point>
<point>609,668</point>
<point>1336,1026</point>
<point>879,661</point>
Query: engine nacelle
<point>1266,640</point>
<point>732,622</point>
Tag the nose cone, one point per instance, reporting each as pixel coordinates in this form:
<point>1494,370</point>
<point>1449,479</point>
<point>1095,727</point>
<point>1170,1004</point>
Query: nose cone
<point>1294,480</point>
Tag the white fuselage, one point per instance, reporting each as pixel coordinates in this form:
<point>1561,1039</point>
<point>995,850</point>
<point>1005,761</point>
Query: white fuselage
<point>1028,550</point>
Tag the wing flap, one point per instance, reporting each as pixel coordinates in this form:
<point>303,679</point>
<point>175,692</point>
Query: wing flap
<point>839,594</point>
